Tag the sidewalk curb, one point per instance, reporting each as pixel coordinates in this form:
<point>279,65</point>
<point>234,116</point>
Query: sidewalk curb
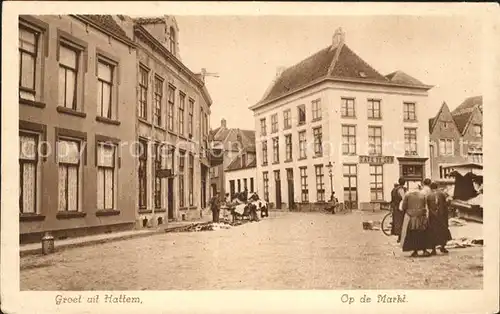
<point>62,247</point>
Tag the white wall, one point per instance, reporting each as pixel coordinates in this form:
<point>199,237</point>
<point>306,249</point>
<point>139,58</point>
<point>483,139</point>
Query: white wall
<point>330,94</point>
<point>247,173</point>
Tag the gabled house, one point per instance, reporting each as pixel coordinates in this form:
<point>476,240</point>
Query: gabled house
<point>456,137</point>
<point>226,144</point>
<point>241,173</point>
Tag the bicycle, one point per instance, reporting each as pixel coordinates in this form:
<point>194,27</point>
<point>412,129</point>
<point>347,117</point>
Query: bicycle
<point>386,224</point>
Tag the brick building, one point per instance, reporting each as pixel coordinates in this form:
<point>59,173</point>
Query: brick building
<point>226,145</point>
<point>456,137</point>
<point>76,109</point>
<point>335,109</point>
<point>173,108</point>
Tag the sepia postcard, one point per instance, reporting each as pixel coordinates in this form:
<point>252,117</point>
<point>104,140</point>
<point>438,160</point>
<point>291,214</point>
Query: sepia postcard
<point>250,157</point>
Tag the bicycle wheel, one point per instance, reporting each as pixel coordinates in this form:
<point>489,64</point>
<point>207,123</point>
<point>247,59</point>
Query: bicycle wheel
<point>386,224</point>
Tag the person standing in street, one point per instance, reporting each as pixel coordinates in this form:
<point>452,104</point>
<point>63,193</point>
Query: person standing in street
<point>414,234</point>
<point>215,207</point>
<point>438,219</point>
<point>397,196</point>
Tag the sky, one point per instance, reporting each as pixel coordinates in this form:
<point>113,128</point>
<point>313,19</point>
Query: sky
<point>245,51</point>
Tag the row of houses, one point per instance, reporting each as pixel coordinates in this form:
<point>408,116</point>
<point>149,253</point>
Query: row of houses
<point>113,127</point>
<point>332,123</point>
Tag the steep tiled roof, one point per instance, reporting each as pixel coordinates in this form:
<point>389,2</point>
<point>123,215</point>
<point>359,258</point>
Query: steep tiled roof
<point>461,120</point>
<point>236,164</point>
<point>400,77</point>
<point>462,114</point>
<point>468,104</point>
<point>107,22</point>
<point>346,65</point>
<point>225,135</point>
<point>151,20</point>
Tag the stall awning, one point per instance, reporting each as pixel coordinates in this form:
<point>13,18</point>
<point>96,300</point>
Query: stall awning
<point>463,169</point>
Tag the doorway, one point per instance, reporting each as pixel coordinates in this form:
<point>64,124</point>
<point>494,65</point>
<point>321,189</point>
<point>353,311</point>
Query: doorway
<point>170,198</point>
<point>277,182</point>
<point>214,189</point>
<point>289,179</point>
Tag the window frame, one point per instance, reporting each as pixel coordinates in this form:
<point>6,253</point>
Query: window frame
<point>265,181</point>
<point>191,117</point>
<point>288,147</point>
<point>276,150</point>
<point>171,107</point>
<point>375,141</point>
<point>100,84</point>
<point>302,145</point>
<point>263,127</point>
<point>67,166</point>
<point>274,123</point>
<point>36,163</point>
<point>409,115</point>
<point>316,109</point>
<point>158,100</point>
<point>287,119</point>
<point>264,153</point>
<point>301,114</point>
<point>372,110</point>
<point>318,141</point>
<point>78,51</point>
<point>320,183</point>
<point>142,175</point>
<point>37,34</point>
<point>379,184</point>
<point>348,138</point>
<point>181,112</point>
<point>345,110</point>
<point>114,174</point>
<point>304,189</point>
<point>410,136</point>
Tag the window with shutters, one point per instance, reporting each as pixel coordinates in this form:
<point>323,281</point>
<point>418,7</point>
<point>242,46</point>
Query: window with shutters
<point>106,176</point>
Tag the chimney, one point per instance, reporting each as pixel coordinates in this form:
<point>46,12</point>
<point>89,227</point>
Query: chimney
<point>338,38</point>
<point>223,123</point>
<point>279,71</point>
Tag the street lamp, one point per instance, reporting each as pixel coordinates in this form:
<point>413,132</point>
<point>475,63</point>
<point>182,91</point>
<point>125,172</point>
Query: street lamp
<point>330,172</point>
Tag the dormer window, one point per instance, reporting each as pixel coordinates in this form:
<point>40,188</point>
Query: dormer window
<point>362,74</point>
<point>172,40</point>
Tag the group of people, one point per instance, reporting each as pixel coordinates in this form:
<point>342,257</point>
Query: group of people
<point>420,218</point>
<point>239,198</point>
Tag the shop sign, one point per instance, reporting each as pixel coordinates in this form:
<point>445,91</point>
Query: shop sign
<point>376,159</point>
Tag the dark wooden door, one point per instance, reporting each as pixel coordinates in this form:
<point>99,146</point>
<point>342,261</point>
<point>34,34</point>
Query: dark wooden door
<point>289,179</point>
<point>277,181</point>
<point>170,198</point>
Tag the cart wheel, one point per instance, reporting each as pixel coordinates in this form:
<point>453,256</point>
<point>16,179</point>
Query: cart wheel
<point>386,224</point>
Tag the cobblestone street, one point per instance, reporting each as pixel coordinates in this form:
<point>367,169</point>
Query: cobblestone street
<point>285,251</point>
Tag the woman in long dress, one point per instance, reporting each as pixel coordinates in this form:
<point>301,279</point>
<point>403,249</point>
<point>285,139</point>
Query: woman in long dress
<point>414,233</point>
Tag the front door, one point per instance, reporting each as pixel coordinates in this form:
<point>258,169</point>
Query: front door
<point>170,198</point>
<point>289,179</point>
<point>203,187</point>
<point>278,188</point>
